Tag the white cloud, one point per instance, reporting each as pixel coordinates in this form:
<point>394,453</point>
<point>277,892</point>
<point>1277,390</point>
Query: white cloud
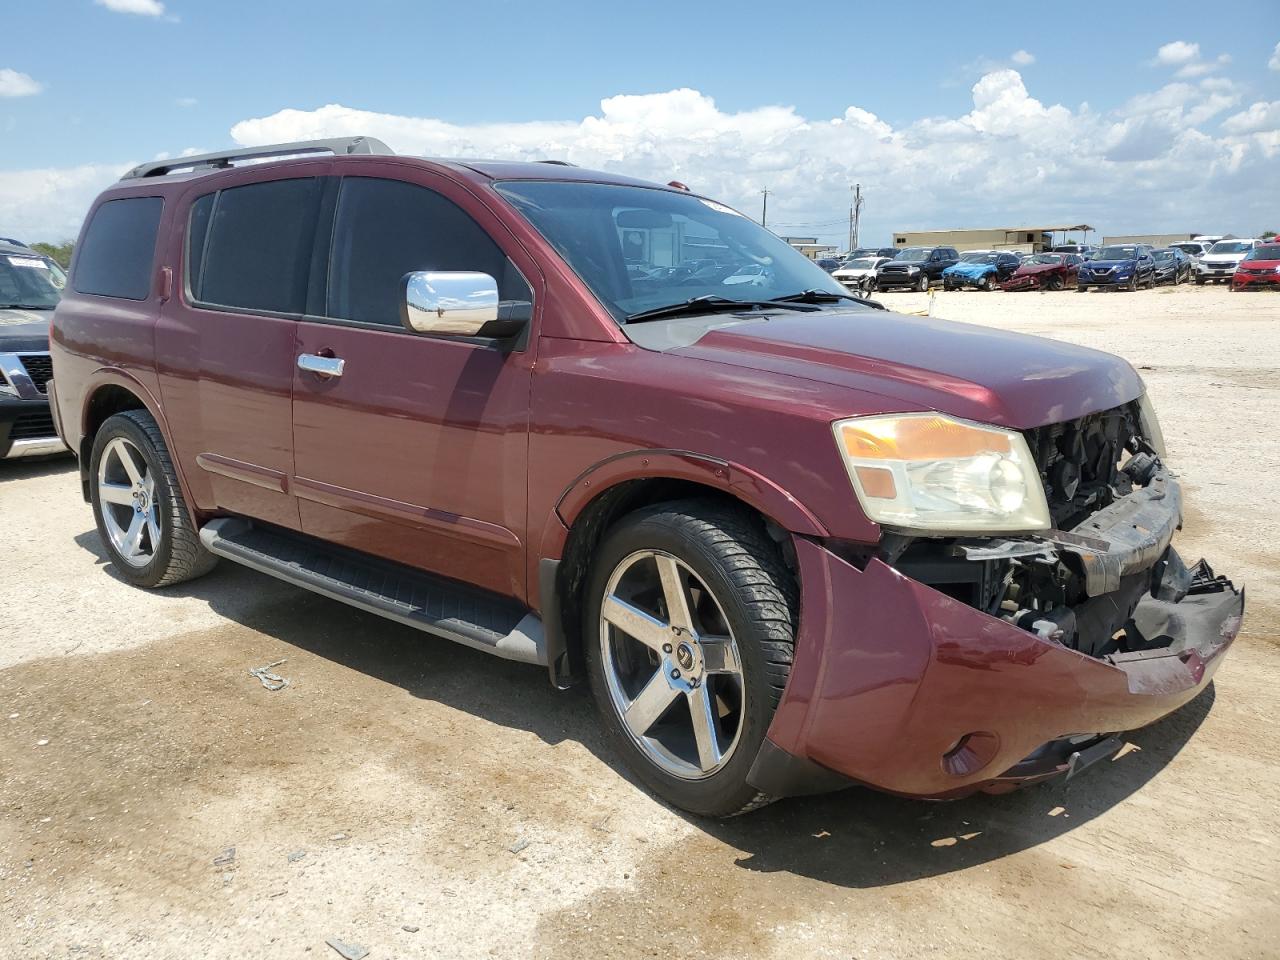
<point>1022,58</point>
<point>1259,118</point>
<point>15,84</point>
<point>145,8</point>
<point>1200,68</point>
<point>49,204</point>
<point>1179,51</point>
<point>1010,158</point>
<point>1274,62</point>
<point>186,102</point>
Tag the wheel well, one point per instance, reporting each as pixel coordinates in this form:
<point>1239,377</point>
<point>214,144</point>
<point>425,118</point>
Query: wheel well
<point>600,514</point>
<point>106,402</point>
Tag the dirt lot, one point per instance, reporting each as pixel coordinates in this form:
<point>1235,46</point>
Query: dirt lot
<point>378,799</point>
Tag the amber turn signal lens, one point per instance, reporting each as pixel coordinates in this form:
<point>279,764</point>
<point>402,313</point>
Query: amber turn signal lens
<point>919,438</point>
<point>877,482</point>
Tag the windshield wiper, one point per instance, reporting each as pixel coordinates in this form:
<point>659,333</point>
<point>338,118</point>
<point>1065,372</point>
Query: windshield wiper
<point>711,303</point>
<point>814,295</point>
<point>25,306</point>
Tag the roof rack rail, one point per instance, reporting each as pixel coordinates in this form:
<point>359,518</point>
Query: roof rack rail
<point>558,163</point>
<point>221,159</point>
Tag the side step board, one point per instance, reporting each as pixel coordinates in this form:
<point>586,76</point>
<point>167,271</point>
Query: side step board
<point>413,597</point>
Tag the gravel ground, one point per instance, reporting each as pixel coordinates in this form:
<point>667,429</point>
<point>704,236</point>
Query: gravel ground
<point>424,800</point>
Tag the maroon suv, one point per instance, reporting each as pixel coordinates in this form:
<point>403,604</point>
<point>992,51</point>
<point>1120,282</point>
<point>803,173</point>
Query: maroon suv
<point>792,540</point>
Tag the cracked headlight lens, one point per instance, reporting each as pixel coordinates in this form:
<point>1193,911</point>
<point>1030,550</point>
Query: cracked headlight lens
<point>932,473</point>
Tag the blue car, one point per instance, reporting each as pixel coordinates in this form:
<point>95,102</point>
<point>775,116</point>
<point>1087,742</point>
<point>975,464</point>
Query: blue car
<point>1126,266</point>
<point>984,269</point>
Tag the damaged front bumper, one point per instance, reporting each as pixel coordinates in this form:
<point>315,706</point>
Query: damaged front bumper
<point>899,685</point>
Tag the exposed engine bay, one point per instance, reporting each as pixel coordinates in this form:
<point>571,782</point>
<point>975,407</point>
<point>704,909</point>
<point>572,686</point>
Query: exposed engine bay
<point>1115,508</point>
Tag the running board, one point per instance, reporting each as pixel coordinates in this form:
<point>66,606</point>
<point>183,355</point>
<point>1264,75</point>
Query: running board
<point>464,614</point>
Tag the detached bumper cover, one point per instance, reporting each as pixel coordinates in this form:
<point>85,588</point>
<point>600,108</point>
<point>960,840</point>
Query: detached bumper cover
<point>898,686</point>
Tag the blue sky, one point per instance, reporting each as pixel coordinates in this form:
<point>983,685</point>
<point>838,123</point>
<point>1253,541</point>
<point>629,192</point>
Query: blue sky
<point>1043,112</point>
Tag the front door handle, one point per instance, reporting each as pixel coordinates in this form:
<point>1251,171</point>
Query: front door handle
<point>321,366</point>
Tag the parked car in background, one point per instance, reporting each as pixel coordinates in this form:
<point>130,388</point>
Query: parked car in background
<point>916,267</point>
<point>829,264</point>
<point>1124,266</point>
<point>788,539</point>
<point>860,252</point>
<point>1172,265</point>
<point>30,286</point>
<point>1045,271</point>
<point>1195,249</point>
<point>983,269</point>
<point>860,274</point>
<point>1085,251</point>
<point>753,274</point>
<point>1219,264</point>
<point>1259,269</point>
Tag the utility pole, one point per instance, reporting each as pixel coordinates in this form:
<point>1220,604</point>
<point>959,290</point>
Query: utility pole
<point>764,213</point>
<point>855,214</point>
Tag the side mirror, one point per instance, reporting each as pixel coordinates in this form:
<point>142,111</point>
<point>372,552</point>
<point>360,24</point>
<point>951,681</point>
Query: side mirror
<point>459,304</point>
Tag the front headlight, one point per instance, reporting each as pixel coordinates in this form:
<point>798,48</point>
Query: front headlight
<point>932,473</point>
<point>1150,426</point>
<point>913,269</point>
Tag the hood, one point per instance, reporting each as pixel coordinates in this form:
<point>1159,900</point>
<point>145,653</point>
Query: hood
<point>853,271</point>
<point>1107,264</point>
<point>974,372</point>
<point>24,330</point>
<point>970,269</point>
<point>901,264</point>
<point>1212,258</point>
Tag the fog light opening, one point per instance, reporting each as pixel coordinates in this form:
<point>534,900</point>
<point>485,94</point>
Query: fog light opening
<point>970,753</point>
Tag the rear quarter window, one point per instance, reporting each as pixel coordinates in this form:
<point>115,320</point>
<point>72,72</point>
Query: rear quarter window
<point>116,255</point>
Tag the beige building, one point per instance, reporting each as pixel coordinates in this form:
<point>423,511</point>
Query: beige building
<point>1017,239</point>
<point>1154,239</point>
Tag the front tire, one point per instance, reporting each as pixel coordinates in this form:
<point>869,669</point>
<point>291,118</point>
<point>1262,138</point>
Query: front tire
<point>138,506</point>
<point>923,283</point>
<point>689,629</point>
<point>1053,283</point>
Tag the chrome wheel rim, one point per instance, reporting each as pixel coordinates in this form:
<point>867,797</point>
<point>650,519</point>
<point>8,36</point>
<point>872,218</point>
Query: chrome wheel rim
<point>672,665</point>
<point>127,496</point>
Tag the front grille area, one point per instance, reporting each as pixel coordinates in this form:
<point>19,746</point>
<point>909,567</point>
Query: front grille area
<point>1079,462</point>
<point>36,425</point>
<point>39,368</point>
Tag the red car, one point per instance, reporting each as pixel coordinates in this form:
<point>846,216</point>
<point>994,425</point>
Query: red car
<point>1045,271</point>
<point>792,540</point>
<point>1259,269</point>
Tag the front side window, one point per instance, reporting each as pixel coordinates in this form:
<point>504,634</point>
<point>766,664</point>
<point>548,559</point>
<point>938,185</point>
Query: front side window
<point>249,248</point>
<point>384,229</point>
<point>115,257</point>
<point>640,248</point>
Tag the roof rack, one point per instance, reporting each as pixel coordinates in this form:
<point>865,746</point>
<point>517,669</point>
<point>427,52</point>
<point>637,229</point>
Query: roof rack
<point>221,159</point>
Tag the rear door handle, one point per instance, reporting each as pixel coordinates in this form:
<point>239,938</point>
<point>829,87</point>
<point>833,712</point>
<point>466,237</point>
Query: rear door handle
<point>321,366</point>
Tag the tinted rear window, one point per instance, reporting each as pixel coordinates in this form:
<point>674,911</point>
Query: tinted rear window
<point>114,258</point>
<point>256,253</point>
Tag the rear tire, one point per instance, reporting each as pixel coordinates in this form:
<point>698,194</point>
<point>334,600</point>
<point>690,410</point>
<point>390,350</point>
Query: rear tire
<point>652,685</point>
<point>138,505</point>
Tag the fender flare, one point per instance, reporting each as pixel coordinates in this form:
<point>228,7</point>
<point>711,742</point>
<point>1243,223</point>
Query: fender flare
<point>118,377</point>
<point>754,489</point>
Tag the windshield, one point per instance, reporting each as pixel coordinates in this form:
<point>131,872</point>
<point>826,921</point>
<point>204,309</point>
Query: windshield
<point>30,281</point>
<point>1231,246</point>
<point>1188,247</point>
<point>1047,258</point>
<point>978,257</point>
<point>639,248</point>
<point>862,263</point>
<point>1269,252</point>
<point>1119,253</point>
<point>915,254</point>
<point>1163,254</point>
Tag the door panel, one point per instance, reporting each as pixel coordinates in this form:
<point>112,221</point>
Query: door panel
<point>227,374</point>
<point>418,451</point>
